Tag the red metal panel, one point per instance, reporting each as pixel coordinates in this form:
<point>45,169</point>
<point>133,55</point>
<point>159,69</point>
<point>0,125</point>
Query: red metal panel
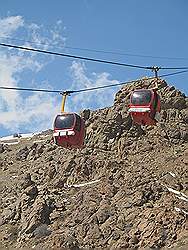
<point>147,117</point>
<point>76,139</point>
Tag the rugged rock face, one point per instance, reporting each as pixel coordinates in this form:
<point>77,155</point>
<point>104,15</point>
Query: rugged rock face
<point>128,188</point>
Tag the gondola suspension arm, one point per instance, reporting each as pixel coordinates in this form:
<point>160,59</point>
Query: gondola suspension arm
<point>64,94</point>
<point>155,69</point>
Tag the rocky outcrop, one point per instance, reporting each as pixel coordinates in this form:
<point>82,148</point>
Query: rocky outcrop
<point>126,189</point>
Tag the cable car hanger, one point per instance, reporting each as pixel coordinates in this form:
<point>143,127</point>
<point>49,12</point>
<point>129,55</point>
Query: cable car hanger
<point>155,69</point>
<point>64,97</point>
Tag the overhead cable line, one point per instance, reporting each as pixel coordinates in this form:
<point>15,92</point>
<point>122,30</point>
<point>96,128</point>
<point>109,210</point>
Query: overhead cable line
<point>69,91</point>
<point>175,73</point>
<point>121,53</point>
<point>86,89</point>
<point>73,56</point>
<point>87,58</point>
<point>30,89</point>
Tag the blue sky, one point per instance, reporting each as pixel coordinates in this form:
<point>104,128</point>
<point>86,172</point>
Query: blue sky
<point>142,32</point>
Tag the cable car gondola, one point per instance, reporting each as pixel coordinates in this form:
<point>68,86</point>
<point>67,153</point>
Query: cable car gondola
<point>69,129</point>
<point>144,106</point>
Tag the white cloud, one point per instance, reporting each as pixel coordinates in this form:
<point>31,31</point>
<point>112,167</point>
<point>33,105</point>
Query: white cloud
<point>10,24</point>
<point>91,99</point>
<point>36,112</point>
<point>56,34</point>
<point>45,37</point>
<point>18,110</point>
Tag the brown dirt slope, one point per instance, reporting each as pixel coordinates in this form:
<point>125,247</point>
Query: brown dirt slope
<point>134,182</point>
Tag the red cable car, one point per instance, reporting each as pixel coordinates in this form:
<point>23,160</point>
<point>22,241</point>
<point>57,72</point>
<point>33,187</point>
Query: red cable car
<point>145,107</point>
<point>69,130</point>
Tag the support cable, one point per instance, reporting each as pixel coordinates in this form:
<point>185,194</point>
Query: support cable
<point>87,58</point>
<point>73,56</point>
<point>86,89</point>
<point>68,92</point>
<point>121,53</point>
<point>91,59</point>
